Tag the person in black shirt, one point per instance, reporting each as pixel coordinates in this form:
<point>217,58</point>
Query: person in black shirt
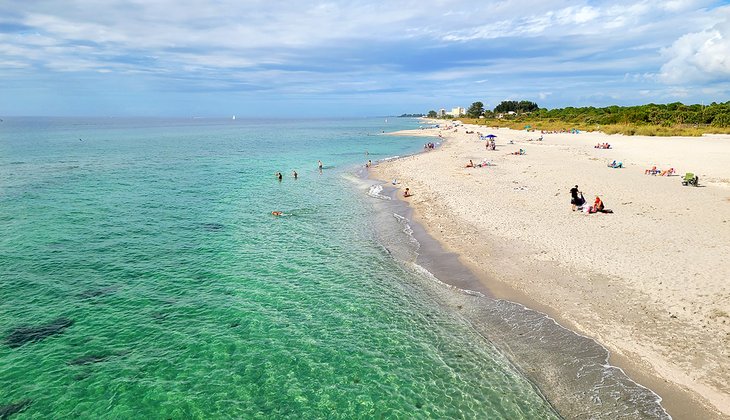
<point>575,199</point>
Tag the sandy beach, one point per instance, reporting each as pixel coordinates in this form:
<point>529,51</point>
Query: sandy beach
<point>648,281</point>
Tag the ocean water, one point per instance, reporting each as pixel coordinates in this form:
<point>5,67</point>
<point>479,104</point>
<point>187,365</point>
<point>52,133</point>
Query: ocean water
<point>142,275</point>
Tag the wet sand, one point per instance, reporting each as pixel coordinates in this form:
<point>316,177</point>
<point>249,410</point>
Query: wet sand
<point>655,296</point>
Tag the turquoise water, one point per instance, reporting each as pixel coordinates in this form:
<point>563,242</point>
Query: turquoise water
<point>176,294</point>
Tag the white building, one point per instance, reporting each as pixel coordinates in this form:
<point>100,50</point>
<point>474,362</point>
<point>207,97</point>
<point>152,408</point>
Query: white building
<point>442,112</point>
<point>458,112</point>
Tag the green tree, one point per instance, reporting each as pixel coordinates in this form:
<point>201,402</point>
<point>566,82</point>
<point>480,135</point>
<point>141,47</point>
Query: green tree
<point>519,107</point>
<point>506,106</point>
<point>475,110</point>
<point>432,114</point>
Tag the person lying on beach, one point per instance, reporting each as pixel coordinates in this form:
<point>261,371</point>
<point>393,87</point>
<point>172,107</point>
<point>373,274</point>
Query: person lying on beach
<point>407,193</point>
<point>519,152</point>
<point>484,163</point>
<point>470,164</point>
<point>667,172</point>
<point>652,171</point>
<point>615,164</point>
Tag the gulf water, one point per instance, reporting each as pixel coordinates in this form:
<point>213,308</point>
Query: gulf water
<point>142,275</point>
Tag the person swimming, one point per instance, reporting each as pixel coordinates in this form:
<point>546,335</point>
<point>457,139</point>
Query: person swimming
<point>277,213</point>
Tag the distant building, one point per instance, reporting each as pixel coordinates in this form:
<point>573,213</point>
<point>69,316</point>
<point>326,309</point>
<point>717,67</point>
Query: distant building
<point>442,112</point>
<point>458,111</point>
<point>501,115</point>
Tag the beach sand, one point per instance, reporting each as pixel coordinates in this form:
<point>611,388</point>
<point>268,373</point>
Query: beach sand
<point>649,282</point>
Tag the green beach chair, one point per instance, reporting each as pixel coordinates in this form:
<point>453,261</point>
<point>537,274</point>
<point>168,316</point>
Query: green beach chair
<point>690,179</point>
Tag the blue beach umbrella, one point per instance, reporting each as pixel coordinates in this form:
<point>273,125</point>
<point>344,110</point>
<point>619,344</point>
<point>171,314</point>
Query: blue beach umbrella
<point>490,136</point>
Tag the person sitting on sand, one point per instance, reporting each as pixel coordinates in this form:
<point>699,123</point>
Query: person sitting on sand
<point>597,205</point>
<point>470,164</point>
<point>407,192</point>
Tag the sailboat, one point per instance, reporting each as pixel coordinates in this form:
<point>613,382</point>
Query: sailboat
<point>234,117</point>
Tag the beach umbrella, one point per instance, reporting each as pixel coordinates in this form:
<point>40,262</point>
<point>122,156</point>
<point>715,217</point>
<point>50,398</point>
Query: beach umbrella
<point>490,136</point>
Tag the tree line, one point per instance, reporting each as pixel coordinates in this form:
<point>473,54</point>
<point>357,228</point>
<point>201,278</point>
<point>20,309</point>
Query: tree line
<point>665,115</point>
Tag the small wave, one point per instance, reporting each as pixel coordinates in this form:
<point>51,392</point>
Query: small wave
<point>389,158</point>
<point>375,192</point>
<point>423,271</point>
<point>408,230</point>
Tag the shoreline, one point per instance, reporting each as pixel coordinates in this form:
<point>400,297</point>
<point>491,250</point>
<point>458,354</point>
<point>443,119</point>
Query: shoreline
<point>503,281</point>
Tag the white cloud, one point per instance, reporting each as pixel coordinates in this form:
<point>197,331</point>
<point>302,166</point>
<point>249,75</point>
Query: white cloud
<point>699,56</point>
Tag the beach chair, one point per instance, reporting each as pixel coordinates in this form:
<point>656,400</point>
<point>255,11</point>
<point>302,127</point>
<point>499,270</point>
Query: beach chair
<point>690,179</point>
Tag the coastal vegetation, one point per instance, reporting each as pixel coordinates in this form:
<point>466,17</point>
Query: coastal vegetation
<point>674,119</point>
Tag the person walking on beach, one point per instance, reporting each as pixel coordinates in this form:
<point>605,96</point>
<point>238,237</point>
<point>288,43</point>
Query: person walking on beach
<point>575,199</point>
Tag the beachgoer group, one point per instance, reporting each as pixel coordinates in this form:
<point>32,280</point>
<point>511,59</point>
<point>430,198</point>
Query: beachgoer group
<point>578,203</point>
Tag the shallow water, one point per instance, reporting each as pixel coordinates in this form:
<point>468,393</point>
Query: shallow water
<point>188,299</point>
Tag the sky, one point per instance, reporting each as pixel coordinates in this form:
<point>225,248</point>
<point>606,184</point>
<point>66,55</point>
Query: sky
<point>355,58</point>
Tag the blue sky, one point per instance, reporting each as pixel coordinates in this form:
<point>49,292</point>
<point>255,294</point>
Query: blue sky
<point>352,58</point>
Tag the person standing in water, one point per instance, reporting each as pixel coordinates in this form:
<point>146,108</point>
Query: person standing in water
<point>295,174</point>
<point>319,165</point>
<point>279,176</point>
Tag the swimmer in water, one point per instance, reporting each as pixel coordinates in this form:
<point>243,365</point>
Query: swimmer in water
<point>319,165</point>
<point>276,213</point>
<point>295,174</point>
<point>279,176</point>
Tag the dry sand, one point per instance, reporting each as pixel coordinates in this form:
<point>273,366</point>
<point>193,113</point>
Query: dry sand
<point>649,282</point>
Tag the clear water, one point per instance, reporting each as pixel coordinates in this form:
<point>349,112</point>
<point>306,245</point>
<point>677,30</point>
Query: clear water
<point>190,300</point>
